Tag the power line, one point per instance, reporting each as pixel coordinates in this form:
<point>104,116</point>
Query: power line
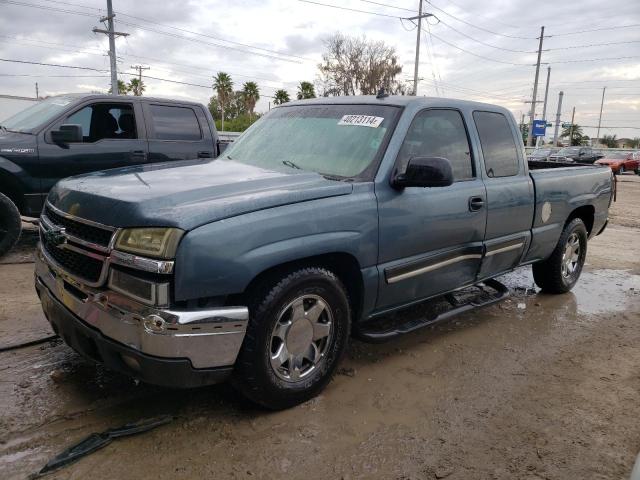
<point>462,7</point>
<point>593,59</point>
<point>389,6</point>
<point>476,26</point>
<point>482,42</point>
<point>174,35</point>
<point>52,65</point>
<point>350,9</point>
<point>591,45</point>
<point>476,54</point>
<point>613,27</point>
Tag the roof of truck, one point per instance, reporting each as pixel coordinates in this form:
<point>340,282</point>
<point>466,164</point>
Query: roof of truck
<point>103,96</point>
<point>395,100</point>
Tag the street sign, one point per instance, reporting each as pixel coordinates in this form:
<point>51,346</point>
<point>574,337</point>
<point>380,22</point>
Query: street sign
<point>549,125</point>
<point>539,127</point>
<point>566,125</point>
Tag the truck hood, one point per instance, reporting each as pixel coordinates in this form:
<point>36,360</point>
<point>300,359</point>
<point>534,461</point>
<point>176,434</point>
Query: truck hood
<point>186,194</point>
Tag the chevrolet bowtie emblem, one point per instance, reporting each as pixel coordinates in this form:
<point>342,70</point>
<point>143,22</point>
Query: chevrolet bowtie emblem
<point>56,236</point>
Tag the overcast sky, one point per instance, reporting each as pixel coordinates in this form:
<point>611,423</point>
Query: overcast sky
<point>284,43</point>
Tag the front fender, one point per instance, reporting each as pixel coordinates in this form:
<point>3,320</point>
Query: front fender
<point>223,257</point>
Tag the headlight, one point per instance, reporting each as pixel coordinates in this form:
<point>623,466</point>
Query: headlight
<point>150,242</point>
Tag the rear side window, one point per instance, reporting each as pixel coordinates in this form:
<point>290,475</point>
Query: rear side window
<point>438,133</point>
<point>175,123</point>
<point>498,146</point>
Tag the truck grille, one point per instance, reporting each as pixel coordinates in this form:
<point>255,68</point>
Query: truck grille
<point>77,264</point>
<point>79,247</point>
<point>83,231</point>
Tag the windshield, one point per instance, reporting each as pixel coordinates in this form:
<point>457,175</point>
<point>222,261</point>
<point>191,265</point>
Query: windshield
<point>37,114</point>
<point>569,151</point>
<point>334,140</point>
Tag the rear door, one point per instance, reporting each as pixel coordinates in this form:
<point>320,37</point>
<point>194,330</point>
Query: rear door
<point>112,137</point>
<point>510,195</point>
<point>178,132</point>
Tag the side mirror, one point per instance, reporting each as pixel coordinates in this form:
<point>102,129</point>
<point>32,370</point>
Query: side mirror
<point>425,172</point>
<point>67,134</point>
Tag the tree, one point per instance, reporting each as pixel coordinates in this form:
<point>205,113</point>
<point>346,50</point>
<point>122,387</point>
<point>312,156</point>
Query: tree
<point>352,66</point>
<point>280,97</point>
<point>306,90</point>
<point>223,85</point>
<point>251,95</point>
<point>576,134</point>
<point>609,140</point>
<point>635,143</point>
<point>123,88</point>
<point>136,86</point>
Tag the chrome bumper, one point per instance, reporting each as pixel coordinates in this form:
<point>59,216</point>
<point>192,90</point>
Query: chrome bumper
<point>208,338</point>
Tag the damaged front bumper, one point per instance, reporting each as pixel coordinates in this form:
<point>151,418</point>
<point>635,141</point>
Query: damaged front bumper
<point>180,348</point>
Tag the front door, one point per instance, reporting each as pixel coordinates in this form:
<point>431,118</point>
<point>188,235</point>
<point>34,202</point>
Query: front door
<point>431,238</point>
<point>112,137</point>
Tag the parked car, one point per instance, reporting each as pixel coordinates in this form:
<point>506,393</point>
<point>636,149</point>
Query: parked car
<point>540,154</point>
<point>575,154</point>
<point>72,134</point>
<point>621,162</point>
<point>324,216</point>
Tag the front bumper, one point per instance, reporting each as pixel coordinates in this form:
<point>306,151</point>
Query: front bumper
<point>138,339</point>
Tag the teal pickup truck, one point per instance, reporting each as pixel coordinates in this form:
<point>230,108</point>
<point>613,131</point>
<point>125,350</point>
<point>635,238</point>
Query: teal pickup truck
<point>320,219</point>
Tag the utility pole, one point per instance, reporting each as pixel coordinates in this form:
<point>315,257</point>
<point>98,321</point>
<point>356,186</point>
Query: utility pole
<point>558,113</point>
<point>140,68</point>
<point>112,34</point>
<point>544,105</point>
<point>532,112</point>
<point>37,94</point>
<point>600,118</point>
<point>573,114</point>
<point>419,30</point>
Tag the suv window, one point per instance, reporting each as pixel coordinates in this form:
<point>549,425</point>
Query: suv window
<point>438,133</point>
<point>175,123</point>
<point>498,146</point>
<point>105,120</point>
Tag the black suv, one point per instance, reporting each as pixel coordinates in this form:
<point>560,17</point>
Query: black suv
<point>76,133</point>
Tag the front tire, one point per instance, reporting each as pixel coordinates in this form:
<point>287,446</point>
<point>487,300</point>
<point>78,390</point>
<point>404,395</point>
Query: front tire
<point>298,330</point>
<point>10,224</point>
<point>560,272</point>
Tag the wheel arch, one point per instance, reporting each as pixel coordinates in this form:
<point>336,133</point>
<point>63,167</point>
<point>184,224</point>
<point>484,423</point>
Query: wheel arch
<point>11,187</point>
<point>344,265</point>
<point>586,213</point>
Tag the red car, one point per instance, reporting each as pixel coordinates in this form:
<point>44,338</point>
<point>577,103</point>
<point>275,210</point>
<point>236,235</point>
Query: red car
<point>621,162</point>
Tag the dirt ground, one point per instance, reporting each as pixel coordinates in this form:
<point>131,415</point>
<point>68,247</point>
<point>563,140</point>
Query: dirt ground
<point>537,387</point>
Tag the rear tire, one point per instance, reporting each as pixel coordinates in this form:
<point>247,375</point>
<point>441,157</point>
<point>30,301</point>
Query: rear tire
<point>298,329</point>
<point>10,224</point>
<point>560,272</point>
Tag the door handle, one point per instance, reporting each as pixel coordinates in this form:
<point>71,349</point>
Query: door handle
<point>138,155</point>
<point>476,203</point>
<point>205,154</point>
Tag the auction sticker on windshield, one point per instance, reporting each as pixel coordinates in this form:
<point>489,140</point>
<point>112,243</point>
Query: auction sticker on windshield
<point>361,120</point>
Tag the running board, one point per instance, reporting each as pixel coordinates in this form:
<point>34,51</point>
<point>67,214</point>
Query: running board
<point>483,299</point>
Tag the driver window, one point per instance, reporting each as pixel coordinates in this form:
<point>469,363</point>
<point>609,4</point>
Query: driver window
<point>438,133</point>
<point>105,120</point>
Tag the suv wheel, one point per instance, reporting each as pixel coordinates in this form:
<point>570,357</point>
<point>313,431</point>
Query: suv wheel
<point>560,272</point>
<point>10,224</point>
<point>298,330</point>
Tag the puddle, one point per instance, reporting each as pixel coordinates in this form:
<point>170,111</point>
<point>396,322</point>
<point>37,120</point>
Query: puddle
<point>597,291</point>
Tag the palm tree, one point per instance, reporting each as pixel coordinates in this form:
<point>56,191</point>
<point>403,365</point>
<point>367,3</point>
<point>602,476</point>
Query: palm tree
<point>251,95</point>
<point>123,88</point>
<point>137,87</point>
<point>575,131</point>
<point>609,140</point>
<point>223,85</point>
<point>306,90</point>
<point>280,97</point>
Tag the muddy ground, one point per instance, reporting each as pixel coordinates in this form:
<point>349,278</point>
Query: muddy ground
<point>537,387</point>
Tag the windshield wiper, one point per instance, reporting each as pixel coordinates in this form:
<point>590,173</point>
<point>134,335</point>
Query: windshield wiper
<point>337,178</point>
<point>290,164</point>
